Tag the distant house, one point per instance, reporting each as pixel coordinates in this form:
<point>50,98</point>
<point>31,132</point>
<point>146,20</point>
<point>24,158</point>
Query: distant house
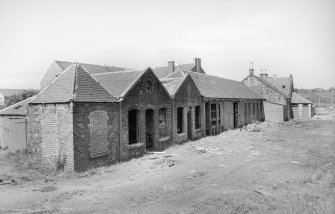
<point>277,91</point>
<point>5,93</point>
<point>301,107</point>
<point>13,127</point>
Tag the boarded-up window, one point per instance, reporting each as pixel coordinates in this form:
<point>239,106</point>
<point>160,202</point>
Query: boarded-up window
<point>197,117</point>
<point>162,122</point>
<point>180,116</point>
<point>98,132</point>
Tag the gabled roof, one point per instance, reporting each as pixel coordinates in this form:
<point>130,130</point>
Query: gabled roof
<point>10,92</point>
<point>296,99</point>
<point>74,84</point>
<point>265,82</point>
<point>119,83</point>
<point>57,67</point>
<point>284,84</point>
<point>217,87</point>
<point>172,85</point>
<point>18,109</point>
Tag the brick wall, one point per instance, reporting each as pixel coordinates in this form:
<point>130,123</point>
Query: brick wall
<point>187,97</point>
<point>141,99</point>
<point>96,134</point>
<point>50,135</point>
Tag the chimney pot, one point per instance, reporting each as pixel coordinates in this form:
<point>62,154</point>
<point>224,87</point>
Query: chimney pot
<point>171,66</point>
<point>197,63</point>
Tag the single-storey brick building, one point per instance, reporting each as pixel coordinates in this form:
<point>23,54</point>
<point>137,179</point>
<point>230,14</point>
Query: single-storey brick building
<point>301,107</point>
<point>225,104</point>
<point>82,120</point>
<point>90,115</point>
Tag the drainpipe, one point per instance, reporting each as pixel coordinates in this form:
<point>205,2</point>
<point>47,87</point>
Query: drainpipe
<point>120,128</point>
<point>172,128</point>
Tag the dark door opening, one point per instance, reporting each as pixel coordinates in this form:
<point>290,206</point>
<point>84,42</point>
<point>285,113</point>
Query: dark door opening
<point>149,127</point>
<point>207,118</point>
<point>235,114</point>
<point>189,125</point>
<point>133,130</point>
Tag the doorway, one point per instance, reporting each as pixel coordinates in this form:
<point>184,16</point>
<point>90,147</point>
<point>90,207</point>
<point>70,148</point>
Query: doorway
<point>235,114</point>
<point>133,127</point>
<point>149,127</point>
<point>189,124</point>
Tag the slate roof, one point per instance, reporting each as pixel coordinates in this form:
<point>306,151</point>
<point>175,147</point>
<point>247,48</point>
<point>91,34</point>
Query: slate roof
<point>284,84</point>
<point>74,84</point>
<point>164,71</point>
<point>172,85</point>
<point>296,99</point>
<point>18,109</point>
<point>91,68</point>
<point>10,92</point>
<point>217,87</point>
<point>119,83</point>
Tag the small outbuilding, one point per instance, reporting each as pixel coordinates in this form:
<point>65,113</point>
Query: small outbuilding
<point>13,127</point>
<point>301,107</point>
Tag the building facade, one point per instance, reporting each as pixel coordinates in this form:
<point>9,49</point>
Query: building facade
<point>87,116</point>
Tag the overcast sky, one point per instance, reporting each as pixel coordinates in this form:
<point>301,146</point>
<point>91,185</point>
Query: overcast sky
<point>284,36</point>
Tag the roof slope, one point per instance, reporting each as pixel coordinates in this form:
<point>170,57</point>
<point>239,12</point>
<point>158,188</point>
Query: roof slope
<point>18,109</point>
<point>217,87</point>
<point>10,92</point>
<point>173,85</point>
<point>164,71</point>
<point>284,84</point>
<point>296,98</point>
<point>57,67</point>
<point>74,84</point>
<point>264,81</point>
<point>119,83</point>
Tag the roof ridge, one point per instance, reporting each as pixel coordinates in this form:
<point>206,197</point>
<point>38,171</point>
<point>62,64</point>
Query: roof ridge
<point>115,72</point>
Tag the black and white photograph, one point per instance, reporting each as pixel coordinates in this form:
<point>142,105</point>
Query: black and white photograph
<point>167,106</point>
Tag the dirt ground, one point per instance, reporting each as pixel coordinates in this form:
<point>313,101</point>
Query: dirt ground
<point>268,168</point>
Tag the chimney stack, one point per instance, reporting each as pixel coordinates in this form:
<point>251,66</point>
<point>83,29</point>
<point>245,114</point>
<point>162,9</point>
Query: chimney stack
<point>251,70</point>
<point>197,63</point>
<point>171,67</point>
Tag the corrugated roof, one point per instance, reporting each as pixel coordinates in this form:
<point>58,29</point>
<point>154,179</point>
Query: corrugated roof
<point>18,109</point>
<point>296,99</point>
<point>74,83</point>
<point>217,87</point>
<point>284,84</point>
<point>10,92</point>
<point>118,83</point>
